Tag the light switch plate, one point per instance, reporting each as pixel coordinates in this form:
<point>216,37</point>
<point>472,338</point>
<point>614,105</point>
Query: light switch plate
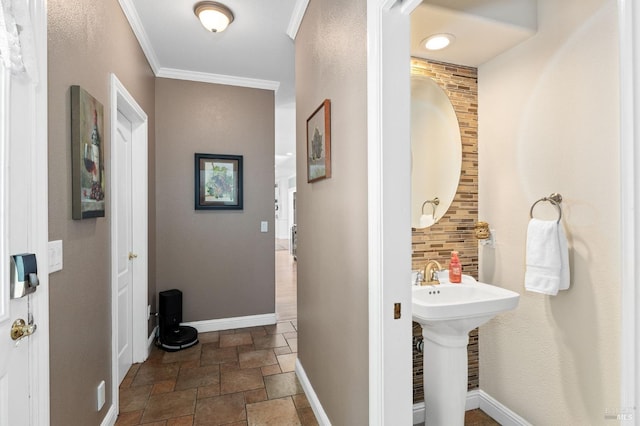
<point>264,226</point>
<point>55,256</point>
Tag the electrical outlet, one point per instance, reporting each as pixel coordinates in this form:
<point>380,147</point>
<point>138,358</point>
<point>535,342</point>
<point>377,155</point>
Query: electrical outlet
<point>100,393</point>
<point>264,226</point>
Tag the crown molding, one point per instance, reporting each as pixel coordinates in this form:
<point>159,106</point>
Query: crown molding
<point>228,80</point>
<point>136,25</point>
<point>296,18</point>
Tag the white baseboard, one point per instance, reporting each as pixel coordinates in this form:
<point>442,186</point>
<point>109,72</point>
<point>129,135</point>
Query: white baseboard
<point>478,398</point>
<point>111,417</point>
<point>150,340</point>
<point>499,412</point>
<point>321,416</point>
<point>230,323</point>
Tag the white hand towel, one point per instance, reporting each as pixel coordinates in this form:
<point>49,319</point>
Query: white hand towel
<point>547,268</point>
<point>426,220</point>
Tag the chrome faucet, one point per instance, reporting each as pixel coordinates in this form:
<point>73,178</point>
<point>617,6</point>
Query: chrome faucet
<point>430,273</point>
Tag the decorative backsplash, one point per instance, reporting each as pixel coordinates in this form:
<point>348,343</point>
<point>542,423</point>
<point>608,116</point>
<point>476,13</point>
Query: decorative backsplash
<point>455,230</point>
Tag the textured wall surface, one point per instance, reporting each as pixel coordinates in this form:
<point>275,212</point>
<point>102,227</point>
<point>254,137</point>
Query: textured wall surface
<point>87,41</point>
<point>332,213</point>
<point>220,260</point>
<point>455,230</point>
<point>549,122</point>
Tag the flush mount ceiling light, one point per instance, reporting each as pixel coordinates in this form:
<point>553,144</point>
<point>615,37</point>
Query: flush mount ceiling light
<point>438,41</point>
<point>214,16</point>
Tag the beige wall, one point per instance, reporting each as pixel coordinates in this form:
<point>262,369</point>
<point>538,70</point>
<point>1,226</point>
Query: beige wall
<point>87,40</point>
<point>549,122</point>
<point>332,213</point>
<point>220,260</point>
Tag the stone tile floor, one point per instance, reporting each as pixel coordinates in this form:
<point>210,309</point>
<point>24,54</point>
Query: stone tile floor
<point>233,377</point>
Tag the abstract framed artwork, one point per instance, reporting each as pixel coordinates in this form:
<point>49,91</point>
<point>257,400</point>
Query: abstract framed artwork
<point>218,182</point>
<point>319,143</point>
<point>87,168</point>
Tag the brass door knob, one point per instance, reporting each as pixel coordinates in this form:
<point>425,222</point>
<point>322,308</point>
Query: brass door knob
<point>20,329</point>
<point>132,256</point>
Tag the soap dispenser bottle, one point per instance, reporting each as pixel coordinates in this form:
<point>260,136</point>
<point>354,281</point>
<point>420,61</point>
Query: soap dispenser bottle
<point>455,268</point>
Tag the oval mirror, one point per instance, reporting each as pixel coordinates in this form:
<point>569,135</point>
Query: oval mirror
<point>436,152</point>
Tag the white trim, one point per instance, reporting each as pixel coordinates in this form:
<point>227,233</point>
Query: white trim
<point>111,416</point>
<point>152,338</point>
<point>314,402</point>
<point>499,412</point>
<point>629,199</point>
<point>227,80</point>
<point>299,10</point>
<point>231,323</point>
<point>409,6</point>
<point>138,29</point>
<point>121,100</point>
<point>39,353</point>
<point>388,225</point>
<point>374,95</point>
<point>477,398</point>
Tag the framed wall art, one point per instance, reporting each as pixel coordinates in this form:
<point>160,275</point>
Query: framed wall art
<point>319,143</point>
<point>87,167</point>
<point>218,182</point>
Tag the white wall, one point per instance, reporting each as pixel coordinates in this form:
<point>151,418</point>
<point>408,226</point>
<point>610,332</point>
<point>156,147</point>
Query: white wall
<point>549,117</point>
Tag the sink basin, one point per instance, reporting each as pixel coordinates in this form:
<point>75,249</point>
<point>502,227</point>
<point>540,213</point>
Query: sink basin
<point>459,308</point>
<point>447,313</point>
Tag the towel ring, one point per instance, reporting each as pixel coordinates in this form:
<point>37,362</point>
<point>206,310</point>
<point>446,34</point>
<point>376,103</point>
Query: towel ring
<point>554,199</point>
<point>435,202</point>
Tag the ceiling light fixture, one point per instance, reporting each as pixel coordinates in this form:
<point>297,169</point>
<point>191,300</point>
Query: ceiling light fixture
<point>438,41</point>
<point>214,16</point>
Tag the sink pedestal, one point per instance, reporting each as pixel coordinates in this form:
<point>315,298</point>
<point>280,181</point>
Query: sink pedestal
<point>447,313</point>
<point>445,368</point>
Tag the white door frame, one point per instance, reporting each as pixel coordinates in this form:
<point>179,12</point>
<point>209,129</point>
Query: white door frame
<point>628,19</point>
<point>388,94</point>
<point>121,100</point>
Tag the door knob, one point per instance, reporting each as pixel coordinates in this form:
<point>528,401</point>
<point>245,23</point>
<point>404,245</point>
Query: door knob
<point>20,329</point>
<point>132,256</point>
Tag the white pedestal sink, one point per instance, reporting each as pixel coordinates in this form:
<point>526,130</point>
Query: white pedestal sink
<point>447,313</point>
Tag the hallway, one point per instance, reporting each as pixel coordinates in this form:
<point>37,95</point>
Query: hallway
<point>232,377</point>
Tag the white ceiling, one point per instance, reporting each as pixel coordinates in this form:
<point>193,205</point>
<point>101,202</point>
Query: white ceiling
<point>483,29</point>
<point>257,50</point>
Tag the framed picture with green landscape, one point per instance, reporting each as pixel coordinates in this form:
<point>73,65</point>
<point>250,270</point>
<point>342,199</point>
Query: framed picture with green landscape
<point>218,182</point>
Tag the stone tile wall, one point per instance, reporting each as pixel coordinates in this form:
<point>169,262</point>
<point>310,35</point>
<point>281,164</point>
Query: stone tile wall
<point>455,230</point>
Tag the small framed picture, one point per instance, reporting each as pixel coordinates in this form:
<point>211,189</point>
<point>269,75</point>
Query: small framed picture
<point>218,182</point>
<point>87,167</point>
<point>319,143</point>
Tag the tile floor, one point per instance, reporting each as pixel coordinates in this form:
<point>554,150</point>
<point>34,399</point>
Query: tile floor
<point>233,377</point>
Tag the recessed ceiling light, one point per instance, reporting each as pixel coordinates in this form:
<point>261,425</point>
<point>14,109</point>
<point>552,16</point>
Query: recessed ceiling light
<point>289,154</point>
<point>438,41</point>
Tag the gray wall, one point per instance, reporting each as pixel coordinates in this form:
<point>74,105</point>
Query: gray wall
<point>220,260</point>
<point>332,214</point>
<point>87,40</point>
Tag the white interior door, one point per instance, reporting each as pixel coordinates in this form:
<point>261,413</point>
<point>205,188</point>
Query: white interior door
<point>24,375</point>
<point>122,182</point>
<point>14,359</point>
<point>129,235</point>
